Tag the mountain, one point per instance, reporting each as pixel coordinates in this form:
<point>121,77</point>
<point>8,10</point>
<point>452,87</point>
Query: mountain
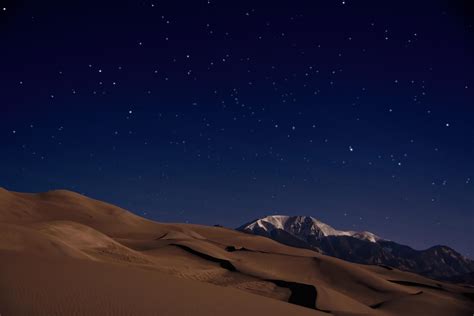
<point>438,262</point>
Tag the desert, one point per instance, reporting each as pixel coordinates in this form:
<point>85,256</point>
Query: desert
<point>65,254</point>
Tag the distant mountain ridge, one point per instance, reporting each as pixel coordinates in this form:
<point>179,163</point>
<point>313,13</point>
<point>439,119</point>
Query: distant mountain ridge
<point>437,262</point>
<point>305,226</point>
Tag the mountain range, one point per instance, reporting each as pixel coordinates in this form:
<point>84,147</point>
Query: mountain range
<point>437,262</point>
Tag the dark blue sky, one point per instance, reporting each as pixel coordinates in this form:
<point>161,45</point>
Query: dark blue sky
<point>359,113</point>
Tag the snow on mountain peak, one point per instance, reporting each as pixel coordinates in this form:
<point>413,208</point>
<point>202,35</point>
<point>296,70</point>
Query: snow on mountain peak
<point>303,227</point>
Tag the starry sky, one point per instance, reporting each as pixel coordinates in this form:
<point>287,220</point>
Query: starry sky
<point>359,113</point>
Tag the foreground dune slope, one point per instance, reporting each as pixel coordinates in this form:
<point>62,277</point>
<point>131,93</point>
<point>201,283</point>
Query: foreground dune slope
<point>48,286</point>
<point>62,253</point>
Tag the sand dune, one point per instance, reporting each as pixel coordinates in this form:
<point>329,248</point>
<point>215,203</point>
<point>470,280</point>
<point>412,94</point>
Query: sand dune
<point>64,254</point>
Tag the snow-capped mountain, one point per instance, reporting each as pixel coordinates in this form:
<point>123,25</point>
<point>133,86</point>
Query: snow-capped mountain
<point>304,227</point>
<point>438,262</point>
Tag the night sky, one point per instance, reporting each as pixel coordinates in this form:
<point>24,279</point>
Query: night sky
<point>359,113</point>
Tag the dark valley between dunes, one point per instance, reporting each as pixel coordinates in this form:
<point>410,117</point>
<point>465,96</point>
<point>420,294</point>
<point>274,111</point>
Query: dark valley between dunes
<point>62,253</point>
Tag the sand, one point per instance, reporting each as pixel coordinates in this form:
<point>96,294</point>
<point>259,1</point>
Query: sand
<point>62,253</point>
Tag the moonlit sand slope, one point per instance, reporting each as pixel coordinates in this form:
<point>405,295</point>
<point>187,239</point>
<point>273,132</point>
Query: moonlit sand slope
<point>64,254</point>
